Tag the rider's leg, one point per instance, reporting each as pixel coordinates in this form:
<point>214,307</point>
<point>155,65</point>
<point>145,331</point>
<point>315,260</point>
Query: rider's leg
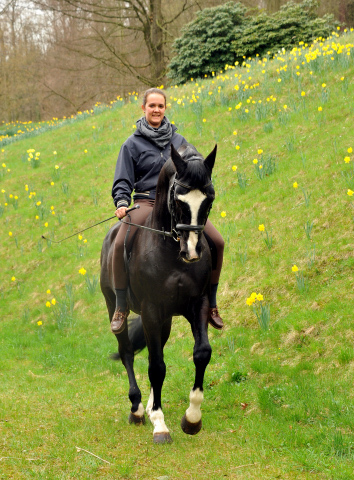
<point>214,319</point>
<point>137,216</point>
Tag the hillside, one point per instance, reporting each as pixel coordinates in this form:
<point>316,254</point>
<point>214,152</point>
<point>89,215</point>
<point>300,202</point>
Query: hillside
<point>278,402</point>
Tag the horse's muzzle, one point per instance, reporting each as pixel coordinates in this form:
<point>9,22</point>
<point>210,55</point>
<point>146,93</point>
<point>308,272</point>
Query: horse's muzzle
<point>190,251</point>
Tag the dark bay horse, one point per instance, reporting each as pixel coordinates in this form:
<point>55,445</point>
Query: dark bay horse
<point>168,276</point>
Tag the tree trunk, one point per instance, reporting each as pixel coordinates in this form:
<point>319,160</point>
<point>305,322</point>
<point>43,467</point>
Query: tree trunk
<point>154,38</point>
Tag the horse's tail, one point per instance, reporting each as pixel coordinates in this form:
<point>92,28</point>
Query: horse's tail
<point>135,334</point>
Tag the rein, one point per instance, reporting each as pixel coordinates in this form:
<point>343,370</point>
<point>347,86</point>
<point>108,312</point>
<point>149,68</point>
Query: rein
<point>173,233</point>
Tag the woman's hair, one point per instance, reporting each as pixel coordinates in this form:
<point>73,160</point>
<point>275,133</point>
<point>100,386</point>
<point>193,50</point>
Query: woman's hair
<point>153,90</point>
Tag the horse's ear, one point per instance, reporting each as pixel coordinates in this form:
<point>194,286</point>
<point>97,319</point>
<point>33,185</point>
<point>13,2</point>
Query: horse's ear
<point>210,159</point>
<point>178,161</point>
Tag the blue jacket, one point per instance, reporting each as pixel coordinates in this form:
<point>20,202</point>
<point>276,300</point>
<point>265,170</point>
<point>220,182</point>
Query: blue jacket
<point>138,167</point>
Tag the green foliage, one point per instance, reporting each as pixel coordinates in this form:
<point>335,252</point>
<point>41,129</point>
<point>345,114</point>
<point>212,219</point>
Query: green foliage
<point>205,42</point>
<point>267,34</point>
<point>204,46</point>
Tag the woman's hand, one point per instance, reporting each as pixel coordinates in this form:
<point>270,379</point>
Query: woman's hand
<point>120,212</point>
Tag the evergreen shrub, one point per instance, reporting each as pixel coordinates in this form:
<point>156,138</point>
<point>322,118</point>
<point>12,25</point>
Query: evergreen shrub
<point>205,42</point>
<point>292,24</point>
<point>228,34</point>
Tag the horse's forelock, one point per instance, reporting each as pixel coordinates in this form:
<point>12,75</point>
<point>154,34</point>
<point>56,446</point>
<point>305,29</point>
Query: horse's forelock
<point>195,174</point>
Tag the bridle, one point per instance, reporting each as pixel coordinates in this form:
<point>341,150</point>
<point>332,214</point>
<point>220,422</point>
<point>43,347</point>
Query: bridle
<point>176,228</point>
<point>182,227</point>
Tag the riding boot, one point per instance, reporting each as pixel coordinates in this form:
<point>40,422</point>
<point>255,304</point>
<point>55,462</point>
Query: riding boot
<point>119,319</point>
<point>214,317</point>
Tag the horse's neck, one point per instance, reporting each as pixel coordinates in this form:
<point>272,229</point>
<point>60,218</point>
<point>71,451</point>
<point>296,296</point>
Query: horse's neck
<point>160,217</point>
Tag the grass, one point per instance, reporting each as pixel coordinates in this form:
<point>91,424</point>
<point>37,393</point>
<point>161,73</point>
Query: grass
<point>278,403</point>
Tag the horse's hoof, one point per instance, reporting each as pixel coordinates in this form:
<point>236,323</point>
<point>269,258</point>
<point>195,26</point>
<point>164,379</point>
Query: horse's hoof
<point>190,428</point>
<point>164,437</point>
<point>137,420</point>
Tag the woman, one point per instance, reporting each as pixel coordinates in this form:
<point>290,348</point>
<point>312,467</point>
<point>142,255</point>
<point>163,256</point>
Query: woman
<point>140,160</point>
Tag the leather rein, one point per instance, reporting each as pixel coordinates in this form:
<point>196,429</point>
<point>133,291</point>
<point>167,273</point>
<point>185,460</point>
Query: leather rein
<point>174,232</point>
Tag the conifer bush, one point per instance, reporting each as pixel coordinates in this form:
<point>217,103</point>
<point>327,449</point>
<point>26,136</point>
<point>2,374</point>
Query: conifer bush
<point>228,33</point>
<point>205,42</point>
<point>283,29</point>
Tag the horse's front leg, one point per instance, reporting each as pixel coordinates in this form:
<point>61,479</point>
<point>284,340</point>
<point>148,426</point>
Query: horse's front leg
<point>157,331</point>
<point>192,420</point>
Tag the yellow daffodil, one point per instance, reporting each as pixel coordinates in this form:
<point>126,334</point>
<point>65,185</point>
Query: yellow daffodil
<point>234,168</point>
<point>10,234</point>
<point>261,227</point>
<point>319,109</point>
<point>255,161</point>
<point>350,150</point>
<point>54,301</point>
<point>350,192</point>
<point>39,323</point>
<point>347,159</point>
<point>79,237</point>
<point>223,214</point>
<point>295,185</point>
<point>48,291</point>
<point>48,304</point>
<point>294,268</point>
<point>13,279</point>
<point>259,151</point>
<point>259,297</point>
<point>82,271</point>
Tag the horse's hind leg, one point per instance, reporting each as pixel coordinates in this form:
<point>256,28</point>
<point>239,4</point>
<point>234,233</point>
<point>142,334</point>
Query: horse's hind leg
<point>126,352</point>
<point>192,420</point>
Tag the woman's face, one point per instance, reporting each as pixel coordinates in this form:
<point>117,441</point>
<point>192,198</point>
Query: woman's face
<point>154,109</point>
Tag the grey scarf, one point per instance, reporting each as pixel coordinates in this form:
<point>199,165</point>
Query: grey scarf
<point>160,136</point>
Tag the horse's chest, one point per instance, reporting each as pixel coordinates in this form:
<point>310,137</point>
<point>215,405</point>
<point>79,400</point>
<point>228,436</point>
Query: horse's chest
<point>171,278</point>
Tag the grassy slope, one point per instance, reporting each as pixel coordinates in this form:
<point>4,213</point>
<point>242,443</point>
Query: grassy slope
<point>60,390</point>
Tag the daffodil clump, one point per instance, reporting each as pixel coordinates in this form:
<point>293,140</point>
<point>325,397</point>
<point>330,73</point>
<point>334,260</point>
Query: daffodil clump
<point>300,279</point>
<point>267,237</point>
<point>261,310</point>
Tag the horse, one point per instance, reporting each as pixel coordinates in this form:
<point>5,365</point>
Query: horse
<point>169,273</point>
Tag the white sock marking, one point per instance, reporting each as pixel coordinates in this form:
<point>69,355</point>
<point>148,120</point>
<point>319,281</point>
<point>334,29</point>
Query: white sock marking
<point>193,199</point>
<point>157,419</point>
<point>193,413</point>
<point>150,403</point>
<point>140,411</point>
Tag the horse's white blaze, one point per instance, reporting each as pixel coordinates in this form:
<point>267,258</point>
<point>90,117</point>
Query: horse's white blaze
<point>193,199</point>
<point>157,419</point>
<point>140,411</point>
<point>150,403</point>
<point>193,412</point>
